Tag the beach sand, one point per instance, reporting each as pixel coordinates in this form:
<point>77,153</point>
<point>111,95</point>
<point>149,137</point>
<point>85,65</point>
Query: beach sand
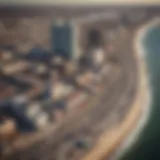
<point>137,116</point>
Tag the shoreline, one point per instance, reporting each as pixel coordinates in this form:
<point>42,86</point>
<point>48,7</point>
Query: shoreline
<point>132,139</point>
<point>137,114</point>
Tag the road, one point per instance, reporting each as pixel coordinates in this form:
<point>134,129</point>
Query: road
<point>109,110</point>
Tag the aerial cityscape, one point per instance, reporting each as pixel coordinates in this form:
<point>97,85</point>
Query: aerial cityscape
<point>73,81</point>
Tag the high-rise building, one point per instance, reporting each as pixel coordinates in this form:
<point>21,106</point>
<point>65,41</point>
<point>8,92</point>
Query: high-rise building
<point>65,39</point>
<point>94,38</point>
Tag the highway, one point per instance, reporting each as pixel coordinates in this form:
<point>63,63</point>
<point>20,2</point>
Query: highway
<point>108,110</point>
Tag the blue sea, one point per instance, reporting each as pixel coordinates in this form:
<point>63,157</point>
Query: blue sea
<point>147,147</point>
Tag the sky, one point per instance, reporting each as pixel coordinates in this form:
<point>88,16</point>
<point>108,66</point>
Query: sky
<point>79,2</point>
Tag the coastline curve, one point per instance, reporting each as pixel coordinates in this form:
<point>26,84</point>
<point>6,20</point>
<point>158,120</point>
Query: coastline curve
<point>139,113</point>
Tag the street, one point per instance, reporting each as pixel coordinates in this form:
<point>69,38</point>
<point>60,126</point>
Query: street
<point>107,110</point>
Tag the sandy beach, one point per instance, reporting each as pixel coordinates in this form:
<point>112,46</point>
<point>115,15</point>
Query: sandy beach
<point>137,116</point>
<point>132,139</point>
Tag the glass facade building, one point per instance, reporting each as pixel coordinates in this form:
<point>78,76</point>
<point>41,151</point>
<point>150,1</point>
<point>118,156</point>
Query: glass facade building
<point>61,40</point>
<point>65,39</point>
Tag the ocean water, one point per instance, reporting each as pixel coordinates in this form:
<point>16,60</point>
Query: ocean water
<point>147,146</point>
